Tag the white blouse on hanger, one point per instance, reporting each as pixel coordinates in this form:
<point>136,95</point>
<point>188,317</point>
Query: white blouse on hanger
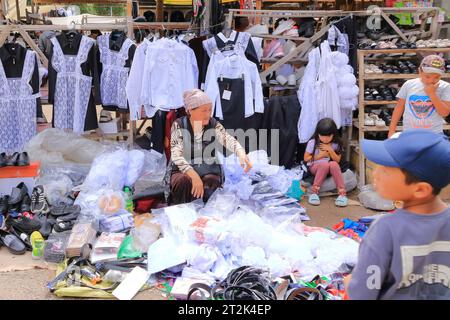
<point>234,67</point>
<point>134,83</point>
<point>170,69</point>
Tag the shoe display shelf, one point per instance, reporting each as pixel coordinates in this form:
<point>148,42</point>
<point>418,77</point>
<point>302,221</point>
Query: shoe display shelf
<point>365,78</point>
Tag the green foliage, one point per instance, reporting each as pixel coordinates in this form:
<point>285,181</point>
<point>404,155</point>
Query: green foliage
<point>102,9</point>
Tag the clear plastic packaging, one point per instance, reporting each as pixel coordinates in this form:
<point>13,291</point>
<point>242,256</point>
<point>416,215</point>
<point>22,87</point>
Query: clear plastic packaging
<point>122,221</point>
<point>221,204</point>
<point>266,196</point>
<point>262,187</point>
<point>109,170</point>
<point>278,202</point>
<point>55,247</point>
<point>243,188</point>
<point>145,233</point>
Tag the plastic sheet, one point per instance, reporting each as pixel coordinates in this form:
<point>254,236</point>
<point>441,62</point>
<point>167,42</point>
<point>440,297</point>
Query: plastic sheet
<point>369,198</point>
<point>153,172</point>
<point>56,187</point>
<point>135,166</point>
<point>57,147</point>
<point>109,170</point>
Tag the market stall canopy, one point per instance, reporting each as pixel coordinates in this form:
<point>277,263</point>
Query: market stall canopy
<point>166,2</point>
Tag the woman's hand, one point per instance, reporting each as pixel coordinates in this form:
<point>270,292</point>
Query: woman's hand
<point>197,184</point>
<point>244,161</point>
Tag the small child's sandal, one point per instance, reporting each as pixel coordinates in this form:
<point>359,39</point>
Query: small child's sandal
<point>341,201</point>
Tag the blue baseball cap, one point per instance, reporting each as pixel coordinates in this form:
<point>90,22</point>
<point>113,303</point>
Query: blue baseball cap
<point>423,153</point>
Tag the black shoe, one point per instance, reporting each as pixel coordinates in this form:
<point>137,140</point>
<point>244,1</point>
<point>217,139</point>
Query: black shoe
<point>3,160</point>
<point>12,161</point>
<point>26,204</point>
<point>18,193</point>
<point>368,95</point>
<point>63,226</point>
<point>23,237</point>
<point>4,204</point>
<point>23,224</point>
<point>23,160</point>
<point>46,224</point>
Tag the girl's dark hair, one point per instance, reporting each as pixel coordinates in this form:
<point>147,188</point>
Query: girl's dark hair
<point>326,127</point>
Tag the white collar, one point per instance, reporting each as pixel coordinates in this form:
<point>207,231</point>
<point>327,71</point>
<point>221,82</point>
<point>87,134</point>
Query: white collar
<point>225,39</point>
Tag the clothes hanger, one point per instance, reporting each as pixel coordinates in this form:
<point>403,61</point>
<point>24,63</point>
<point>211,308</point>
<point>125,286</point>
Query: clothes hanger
<point>226,31</point>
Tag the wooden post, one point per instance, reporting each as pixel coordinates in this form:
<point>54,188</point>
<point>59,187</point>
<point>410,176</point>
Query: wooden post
<point>33,45</point>
<point>362,165</point>
<point>159,10</point>
<point>299,49</point>
<point>434,28</point>
<point>393,25</point>
<point>18,10</point>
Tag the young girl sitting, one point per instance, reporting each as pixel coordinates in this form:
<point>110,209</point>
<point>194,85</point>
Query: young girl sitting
<point>322,155</point>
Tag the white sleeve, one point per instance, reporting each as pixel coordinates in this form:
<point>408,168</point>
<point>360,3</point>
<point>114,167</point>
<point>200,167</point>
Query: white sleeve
<point>257,88</point>
<point>191,69</point>
<point>146,91</point>
<point>212,89</point>
<point>134,83</point>
<point>194,66</point>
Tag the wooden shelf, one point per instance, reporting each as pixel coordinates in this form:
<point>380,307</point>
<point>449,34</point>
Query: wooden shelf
<point>388,51</point>
<point>387,76</point>
<point>385,128</point>
<point>374,103</point>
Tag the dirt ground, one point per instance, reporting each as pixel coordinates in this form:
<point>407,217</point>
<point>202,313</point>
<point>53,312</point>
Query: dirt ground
<point>23,278</point>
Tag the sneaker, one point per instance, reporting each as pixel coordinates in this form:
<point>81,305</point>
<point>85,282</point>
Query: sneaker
<point>341,201</point>
<point>40,205</point>
<point>314,199</point>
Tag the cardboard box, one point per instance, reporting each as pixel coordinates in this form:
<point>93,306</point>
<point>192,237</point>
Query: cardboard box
<point>111,127</point>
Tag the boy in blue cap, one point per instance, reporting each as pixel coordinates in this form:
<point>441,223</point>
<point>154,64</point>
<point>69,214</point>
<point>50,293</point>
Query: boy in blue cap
<point>406,255</point>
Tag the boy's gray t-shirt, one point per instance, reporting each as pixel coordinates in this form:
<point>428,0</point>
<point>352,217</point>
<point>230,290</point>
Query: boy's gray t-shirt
<point>419,109</point>
<point>404,256</point>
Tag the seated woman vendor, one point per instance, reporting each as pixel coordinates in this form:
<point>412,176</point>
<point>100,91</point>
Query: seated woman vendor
<point>195,170</point>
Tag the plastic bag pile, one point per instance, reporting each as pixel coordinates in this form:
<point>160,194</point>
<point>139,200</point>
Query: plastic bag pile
<point>247,224</point>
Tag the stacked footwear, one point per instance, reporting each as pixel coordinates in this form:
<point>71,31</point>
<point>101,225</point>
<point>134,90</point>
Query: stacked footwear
<point>59,219</point>
<point>438,43</point>
<point>400,67</point>
<point>17,159</point>
<point>373,119</point>
<point>382,93</point>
